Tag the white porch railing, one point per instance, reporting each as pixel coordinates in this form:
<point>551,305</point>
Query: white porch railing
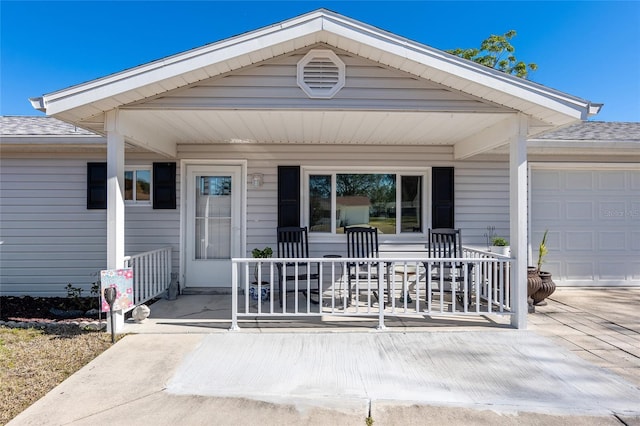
<point>151,273</point>
<point>495,286</point>
<point>404,287</point>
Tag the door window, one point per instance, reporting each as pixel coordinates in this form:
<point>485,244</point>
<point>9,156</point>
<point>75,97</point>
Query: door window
<point>213,217</point>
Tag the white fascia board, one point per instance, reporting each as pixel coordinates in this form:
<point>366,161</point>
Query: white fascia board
<point>578,144</point>
<point>58,140</point>
<point>37,103</point>
<point>543,141</point>
<point>462,70</point>
<point>564,165</point>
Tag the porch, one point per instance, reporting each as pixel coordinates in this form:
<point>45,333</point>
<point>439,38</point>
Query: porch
<point>397,284</point>
<point>387,292</point>
<point>212,313</point>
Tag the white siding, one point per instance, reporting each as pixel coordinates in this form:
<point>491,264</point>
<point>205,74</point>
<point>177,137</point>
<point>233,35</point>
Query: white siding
<point>272,84</point>
<point>481,186</point>
<point>482,198</point>
<point>50,239</point>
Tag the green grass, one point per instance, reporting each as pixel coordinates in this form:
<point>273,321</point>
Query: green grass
<point>33,361</point>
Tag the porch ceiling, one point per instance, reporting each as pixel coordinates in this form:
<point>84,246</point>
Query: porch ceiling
<point>307,127</point>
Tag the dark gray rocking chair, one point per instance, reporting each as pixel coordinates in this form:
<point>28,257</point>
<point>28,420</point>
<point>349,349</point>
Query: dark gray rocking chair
<point>447,243</point>
<point>362,241</point>
<point>293,243</point>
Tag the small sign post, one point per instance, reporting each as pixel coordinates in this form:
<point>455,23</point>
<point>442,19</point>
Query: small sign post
<point>110,294</point>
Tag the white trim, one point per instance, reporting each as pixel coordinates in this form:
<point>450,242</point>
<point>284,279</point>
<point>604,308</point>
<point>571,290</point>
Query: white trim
<point>135,201</point>
<point>583,143</point>
<point>115,194</point>
<point>584,166</point>
<point>529,246</point>
<point>328,237</point>
<point>66,139</point>
<point>518,228</point>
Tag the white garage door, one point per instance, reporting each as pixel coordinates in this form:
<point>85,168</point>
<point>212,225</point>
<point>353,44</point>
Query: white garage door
<point>593,218</point>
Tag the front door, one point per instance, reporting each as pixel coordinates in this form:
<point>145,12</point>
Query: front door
<point>213,232</point>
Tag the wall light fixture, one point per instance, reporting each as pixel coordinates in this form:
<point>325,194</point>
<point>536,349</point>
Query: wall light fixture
<point>256,180</point>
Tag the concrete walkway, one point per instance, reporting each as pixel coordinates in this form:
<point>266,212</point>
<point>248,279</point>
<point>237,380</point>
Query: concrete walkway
<point>579,363</point>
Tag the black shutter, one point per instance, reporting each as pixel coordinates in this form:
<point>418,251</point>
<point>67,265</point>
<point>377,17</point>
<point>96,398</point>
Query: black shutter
<point>443,197</point>
<point>164,185</point>
<point>288,196</point>
<point>96,186</point>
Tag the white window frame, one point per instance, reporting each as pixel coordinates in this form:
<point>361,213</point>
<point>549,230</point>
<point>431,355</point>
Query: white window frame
<point>425,173</point>
<point>135,201</point>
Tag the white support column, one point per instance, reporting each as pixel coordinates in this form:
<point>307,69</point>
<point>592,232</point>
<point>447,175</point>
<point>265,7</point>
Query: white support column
<point>115,203</point>
<point>518,219</point>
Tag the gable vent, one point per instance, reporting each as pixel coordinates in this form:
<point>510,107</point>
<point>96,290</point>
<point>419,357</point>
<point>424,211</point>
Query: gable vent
<point>321,74</point>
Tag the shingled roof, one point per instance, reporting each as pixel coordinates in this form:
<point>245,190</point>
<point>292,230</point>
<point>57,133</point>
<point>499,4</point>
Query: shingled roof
<point>39,126</point>
<point>595,131</point>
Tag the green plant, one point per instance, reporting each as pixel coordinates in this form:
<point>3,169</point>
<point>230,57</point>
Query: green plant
<point>499,242</point>
<point>497,52</point>
<point>264,253</point>
<point>95,288</point>
<point>73,292</point>
<point>260,254</point>
<point>542,250</point>
<point>76,301</point>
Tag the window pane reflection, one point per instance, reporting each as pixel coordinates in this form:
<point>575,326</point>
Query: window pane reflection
<point>143,185</point>
<point>320,203</point>
<point>411,204</point>
<point>391,202</point>
<point>366,199</point>
<point>128,185</point>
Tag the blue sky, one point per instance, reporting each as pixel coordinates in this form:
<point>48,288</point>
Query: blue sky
<point>589,49</point>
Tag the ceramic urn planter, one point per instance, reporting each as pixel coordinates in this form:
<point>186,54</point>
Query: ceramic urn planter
<point>534,282</point>
<point>547,287</point>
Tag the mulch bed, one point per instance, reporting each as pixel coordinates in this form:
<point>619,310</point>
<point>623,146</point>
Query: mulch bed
<point>48,309</point>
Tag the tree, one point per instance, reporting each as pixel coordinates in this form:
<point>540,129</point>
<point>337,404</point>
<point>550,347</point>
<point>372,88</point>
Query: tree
<point>497,52</point>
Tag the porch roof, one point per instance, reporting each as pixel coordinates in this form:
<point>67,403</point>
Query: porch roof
<point>86,104</point>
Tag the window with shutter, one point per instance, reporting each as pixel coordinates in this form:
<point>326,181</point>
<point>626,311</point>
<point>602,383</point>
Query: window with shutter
<point>164,185</point>
<point>288,196</point>
<point>443,214</point>
<point>96,186</point>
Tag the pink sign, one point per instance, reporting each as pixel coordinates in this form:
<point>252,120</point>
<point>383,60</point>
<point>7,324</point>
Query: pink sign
<point>122,281</point>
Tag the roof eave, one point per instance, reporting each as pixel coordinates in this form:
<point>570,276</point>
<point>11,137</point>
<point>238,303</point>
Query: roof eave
<point>321,26</point>
<point>57,140</point>
<point>594,109</point>
<point>38,103</point>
